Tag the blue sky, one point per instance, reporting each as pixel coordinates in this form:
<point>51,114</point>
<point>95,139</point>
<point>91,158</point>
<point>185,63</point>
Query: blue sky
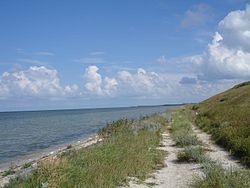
<point>81,54</point>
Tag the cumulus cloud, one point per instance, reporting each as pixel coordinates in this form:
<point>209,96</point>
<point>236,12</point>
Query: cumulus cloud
<point>228,55</point>
<point>95,83</point>
<point>141,84</point>
<point>146,83</point>
<point>235,29</point>
<point>35,81</point>
<point>172,87</point>
<point>198,15</point>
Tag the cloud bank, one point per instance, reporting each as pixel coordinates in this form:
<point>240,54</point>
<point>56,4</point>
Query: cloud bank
<point>228,55</point>
<point>35,81</point>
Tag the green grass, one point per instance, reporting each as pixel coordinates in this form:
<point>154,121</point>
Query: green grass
<point>214,175</point>
<point>183,135</point>
<point>192,154</point>
<point>26,165</point>
<point>181,129</point>
<point>227,117</point>
<point>129,149</point>
<point>217,177</point>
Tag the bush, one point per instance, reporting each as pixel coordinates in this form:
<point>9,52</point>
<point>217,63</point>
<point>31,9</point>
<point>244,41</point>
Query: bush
<point>195,154</point>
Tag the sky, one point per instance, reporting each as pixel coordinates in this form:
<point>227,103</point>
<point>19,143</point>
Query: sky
<point>92,53</point>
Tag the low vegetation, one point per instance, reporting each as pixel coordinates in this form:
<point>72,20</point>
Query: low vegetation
<point>214,175</point>
<point>227,117</point>
<point>181,130</point>
<point>129,149</point>
<point>217,177</point>
<point>182,133</point>
<point>9,172</point>
<point>191,154</point>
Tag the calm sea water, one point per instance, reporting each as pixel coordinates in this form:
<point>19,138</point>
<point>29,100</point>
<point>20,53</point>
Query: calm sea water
<point>22,133</point>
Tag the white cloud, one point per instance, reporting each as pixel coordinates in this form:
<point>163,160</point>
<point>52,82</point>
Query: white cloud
<point>228,55</point>
<point>71,89</point>
<point>96,85</point>
<point>94,80</point>
<point>235,29</point>
<point>143,83</point>
<point>171,87</point>
<point>35,81</point>
<point>110,85</point>
<point>198,15</point>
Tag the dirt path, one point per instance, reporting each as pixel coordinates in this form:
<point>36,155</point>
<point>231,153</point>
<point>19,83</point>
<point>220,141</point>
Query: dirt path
<point>174,174</point>
<point>215,152</point>
<point>180,175</point>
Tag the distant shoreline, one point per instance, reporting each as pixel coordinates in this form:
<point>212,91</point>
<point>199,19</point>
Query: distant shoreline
<point>98,108</point>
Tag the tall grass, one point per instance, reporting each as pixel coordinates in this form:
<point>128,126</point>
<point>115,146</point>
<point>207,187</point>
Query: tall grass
<point>129,149</point>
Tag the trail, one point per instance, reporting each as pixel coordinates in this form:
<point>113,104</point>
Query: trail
<point>217,153</point>
<point>180,175</point>
<point>174,174</point>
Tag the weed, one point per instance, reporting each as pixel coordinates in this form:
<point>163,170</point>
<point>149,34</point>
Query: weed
<point>8,172</point>
<point>26,165</point>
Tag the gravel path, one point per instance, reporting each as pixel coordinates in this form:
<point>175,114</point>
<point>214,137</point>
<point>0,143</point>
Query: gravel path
<point>217,153</point>
<point>180,175</point>
<point>174,174</point>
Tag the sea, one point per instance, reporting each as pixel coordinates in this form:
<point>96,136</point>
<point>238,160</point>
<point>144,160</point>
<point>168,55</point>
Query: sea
<point>27,132</point>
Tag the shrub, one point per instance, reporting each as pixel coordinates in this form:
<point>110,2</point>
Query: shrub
<point>195,154</point>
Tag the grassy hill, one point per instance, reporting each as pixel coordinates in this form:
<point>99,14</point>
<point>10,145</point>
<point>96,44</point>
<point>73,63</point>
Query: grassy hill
<point>227,117</point>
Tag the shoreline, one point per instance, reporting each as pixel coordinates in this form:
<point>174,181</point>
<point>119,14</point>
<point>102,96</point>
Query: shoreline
<point>33,159</point>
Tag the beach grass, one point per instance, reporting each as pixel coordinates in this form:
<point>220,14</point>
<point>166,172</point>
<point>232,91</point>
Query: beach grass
<point>128,149</point>
<point>214,175</point>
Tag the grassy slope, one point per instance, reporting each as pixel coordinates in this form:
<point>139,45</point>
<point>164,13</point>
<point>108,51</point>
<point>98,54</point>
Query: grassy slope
<point>227,117</point>
<point>215,175</point>
<point>128,150</point>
